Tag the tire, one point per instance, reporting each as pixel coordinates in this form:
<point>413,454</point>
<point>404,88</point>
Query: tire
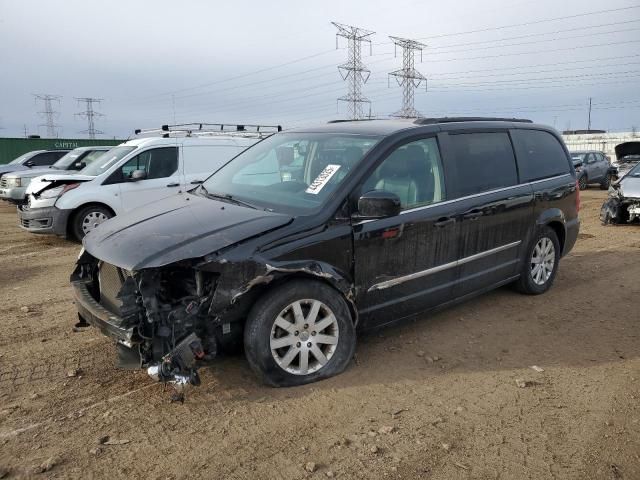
<point>272,322</point>
<point>583,183</point>
<point>604,184</point>
<point>82,220</point>
<point>532,281</point>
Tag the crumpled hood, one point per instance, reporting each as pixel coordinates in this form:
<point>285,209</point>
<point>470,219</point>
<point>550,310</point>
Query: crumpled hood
<point>177,228</point>
<point>38,184</point>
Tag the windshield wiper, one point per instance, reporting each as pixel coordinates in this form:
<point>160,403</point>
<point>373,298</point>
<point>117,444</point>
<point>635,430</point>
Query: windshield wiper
<point>228,198</point>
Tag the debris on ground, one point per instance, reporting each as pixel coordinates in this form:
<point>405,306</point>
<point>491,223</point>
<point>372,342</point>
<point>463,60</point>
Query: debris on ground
<point>446,447</point>
<point>524,383</point>
<point>25,309</point>
<point>74,372</point>
<point>374,449</point>
<point>47,465</point>
<point>386,429</point>
<point>116,442</point>
<point>537,368</point>
<point>310,467</point>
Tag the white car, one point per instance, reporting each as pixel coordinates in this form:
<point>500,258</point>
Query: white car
<point>133,174</point>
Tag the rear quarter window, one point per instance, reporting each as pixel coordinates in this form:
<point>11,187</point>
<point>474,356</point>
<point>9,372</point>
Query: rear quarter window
<point>540,155</point>
<point>482,161</point>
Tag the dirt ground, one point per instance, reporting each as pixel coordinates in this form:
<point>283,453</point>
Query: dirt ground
<point>434,398</point>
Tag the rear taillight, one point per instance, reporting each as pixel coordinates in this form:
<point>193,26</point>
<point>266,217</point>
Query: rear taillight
<point>577,196</point>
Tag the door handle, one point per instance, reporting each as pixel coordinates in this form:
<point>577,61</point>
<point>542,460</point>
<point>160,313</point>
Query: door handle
<point>173,185</point>
<point>444,221</point>
<point>472,215</point>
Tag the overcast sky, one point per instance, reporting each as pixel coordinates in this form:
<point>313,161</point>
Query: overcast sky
<point>276,62</point>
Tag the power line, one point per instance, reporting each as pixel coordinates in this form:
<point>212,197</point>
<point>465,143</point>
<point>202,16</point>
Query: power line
<point>90,114</point>
<point>354,71</point>
<point>526,24</point>
<point>408,77</point>
<point>49,113</point>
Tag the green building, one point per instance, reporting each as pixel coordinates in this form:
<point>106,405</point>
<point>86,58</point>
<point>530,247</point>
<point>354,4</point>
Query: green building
<point>11,148</point>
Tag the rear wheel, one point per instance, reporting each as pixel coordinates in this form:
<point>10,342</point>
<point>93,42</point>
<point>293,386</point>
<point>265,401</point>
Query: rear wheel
<point>604,184</point>
<point>87,219</point>
<point>541,263</point>
<point>582,182</point>
<point>299,333</point>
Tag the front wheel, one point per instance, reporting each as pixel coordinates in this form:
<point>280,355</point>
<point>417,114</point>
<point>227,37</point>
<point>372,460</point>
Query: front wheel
<point>87,219</point>
<point>298,333</point>
<point>582,182</point>
<point>604,184</point>
<point>541,263</point>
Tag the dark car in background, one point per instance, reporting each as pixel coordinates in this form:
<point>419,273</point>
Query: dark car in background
<point>36,158</point>
<point>627,157</point>
<point>593,166</point>
<point>313,234</point>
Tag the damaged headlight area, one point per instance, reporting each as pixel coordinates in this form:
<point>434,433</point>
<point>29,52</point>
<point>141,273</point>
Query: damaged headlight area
<point>159,317</point>
<point>619,209</point>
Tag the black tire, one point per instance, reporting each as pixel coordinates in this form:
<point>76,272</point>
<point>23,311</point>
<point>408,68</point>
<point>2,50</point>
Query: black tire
<point>82,216</point>
<point>604,184</point>
<point>261,324</point>
<point>583,183</point>
<point>526,283</point>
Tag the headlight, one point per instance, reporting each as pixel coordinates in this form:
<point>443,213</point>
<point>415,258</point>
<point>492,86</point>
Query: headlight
<point>58,191</point>
<point>13,182</point>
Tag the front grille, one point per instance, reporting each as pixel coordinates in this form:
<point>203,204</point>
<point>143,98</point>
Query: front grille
<point>3,182</point>
<point>110,279</point>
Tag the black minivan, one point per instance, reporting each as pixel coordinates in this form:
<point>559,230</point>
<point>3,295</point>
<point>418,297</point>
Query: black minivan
<point>312,235</point>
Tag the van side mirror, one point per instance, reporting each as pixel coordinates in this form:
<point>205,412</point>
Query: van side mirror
<point>29,163</point>
<point>378,204</point>
<point>137,175</point>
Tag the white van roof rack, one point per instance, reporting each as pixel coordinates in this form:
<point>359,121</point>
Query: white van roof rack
<point>209,129</point>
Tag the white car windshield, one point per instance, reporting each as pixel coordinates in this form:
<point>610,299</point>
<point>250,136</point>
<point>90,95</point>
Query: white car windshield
<point>105,161</point>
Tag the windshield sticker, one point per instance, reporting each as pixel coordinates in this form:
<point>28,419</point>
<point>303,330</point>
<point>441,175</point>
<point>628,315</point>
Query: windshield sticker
<point>322,179</point>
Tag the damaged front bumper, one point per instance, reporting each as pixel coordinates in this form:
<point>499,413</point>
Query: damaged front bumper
<point>618,209</point>
<point>96,315</point>
<point>48,220</point>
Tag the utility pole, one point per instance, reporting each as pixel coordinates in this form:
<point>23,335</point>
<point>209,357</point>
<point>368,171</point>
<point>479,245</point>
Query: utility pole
<point>408,77</point>
<point>90,115</point>
<point>589,121</point>
<point>49,113</point>
<point>354,70</point>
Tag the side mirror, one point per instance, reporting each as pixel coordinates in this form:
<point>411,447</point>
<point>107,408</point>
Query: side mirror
<point>378,204</point>
<point>29,163</point>
<point>137,175</point>
<point>79,165</point>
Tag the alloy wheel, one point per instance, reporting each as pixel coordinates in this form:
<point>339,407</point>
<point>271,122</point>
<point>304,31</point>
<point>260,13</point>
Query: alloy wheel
<point>543,261</point>
<point>304,337</point>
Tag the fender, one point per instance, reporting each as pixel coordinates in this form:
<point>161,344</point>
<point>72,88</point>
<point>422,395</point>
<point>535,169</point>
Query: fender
<point>259,272</point>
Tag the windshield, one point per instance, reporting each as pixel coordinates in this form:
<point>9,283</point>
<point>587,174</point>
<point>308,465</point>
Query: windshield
<point>18,160</point>
<point>578,157</point>
<point>289,172</point>
<point>67,159</point>
<point>635,171</point>
<point>105,161</point>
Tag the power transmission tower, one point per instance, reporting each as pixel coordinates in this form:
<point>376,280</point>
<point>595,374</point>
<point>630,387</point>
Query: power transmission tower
<point>408,77</point>
<point>354,70</point>
<point>49,113</point>
<point>90,115</point>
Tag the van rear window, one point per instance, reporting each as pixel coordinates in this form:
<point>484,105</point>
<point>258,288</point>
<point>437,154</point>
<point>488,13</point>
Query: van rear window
<point>540,155</point>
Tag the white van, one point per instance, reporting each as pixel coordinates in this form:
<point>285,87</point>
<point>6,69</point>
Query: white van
<point>130,175</point>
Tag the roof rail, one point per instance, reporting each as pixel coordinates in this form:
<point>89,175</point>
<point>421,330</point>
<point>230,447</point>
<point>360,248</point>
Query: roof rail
<point>430,121</point>
<point>209,129</point>
<point>352,120</point>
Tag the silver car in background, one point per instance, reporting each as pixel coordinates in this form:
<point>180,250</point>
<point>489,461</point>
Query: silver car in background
<point>13,185</point>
